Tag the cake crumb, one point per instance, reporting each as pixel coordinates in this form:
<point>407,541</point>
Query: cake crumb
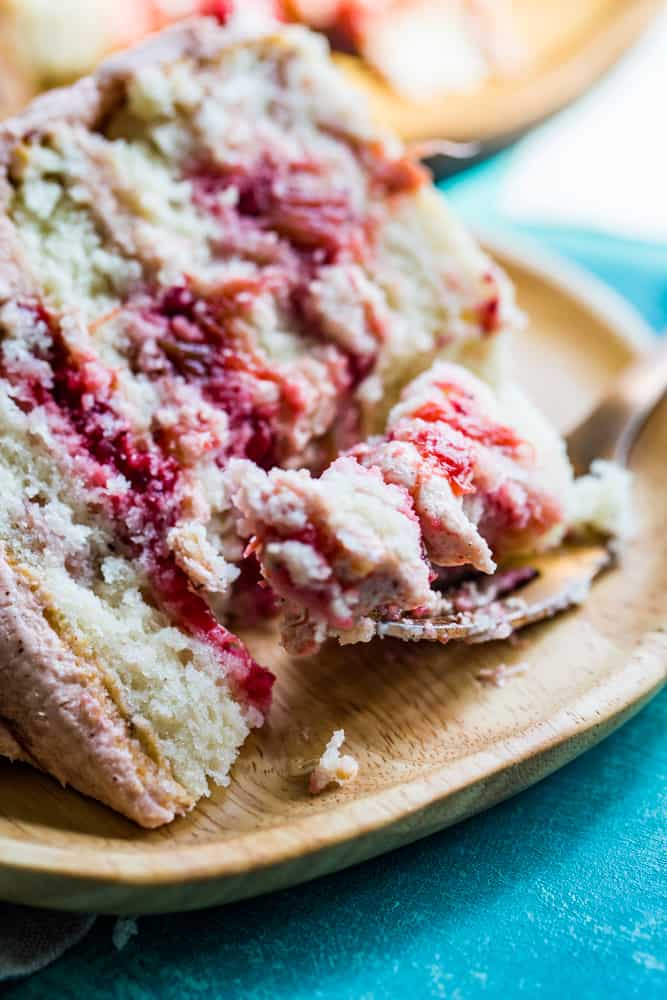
<point>602,501</point>
<point>124,929</point>
<point>499,675</point>
<point>333,766</point>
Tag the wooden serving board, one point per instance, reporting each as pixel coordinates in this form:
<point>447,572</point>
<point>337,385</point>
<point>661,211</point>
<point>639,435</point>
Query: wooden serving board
<point>566,46</point>
<point>434,742</point>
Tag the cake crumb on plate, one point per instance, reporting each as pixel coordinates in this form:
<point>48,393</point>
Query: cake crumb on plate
<point>499,675</point>
<point>333,766</point>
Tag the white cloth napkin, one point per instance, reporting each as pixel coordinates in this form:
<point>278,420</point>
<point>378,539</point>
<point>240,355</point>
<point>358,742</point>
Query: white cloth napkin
<point>602,163</point>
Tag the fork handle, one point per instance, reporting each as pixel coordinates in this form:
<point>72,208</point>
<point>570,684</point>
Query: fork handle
<point>614,425</point>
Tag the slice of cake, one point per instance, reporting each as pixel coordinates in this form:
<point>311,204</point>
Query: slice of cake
<point>206,253</point>
<point>45,44</point>
<point>461,477</point>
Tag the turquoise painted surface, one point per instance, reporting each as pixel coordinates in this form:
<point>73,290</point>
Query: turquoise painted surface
<point>558,893</point>
<point>637,270</point>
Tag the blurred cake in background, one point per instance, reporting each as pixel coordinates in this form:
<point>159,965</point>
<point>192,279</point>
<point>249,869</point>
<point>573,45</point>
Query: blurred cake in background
<point>421,47</point>
<point>45,43</point>
<point>16,85</point>
<point>63,40</point>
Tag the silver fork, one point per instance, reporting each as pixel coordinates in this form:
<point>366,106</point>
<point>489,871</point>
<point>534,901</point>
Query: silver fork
<point>562,577</point>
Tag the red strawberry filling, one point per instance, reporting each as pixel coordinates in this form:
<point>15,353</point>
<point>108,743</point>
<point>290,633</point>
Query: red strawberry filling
<point>513,514</point>
<point>196,340</point>
<point>285,222</point>
<point>296,201</point>
<point>459,410</point>
<point>77,395</point>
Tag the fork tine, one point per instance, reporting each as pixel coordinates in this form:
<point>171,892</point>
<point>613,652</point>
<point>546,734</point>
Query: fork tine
<point>563,580</point>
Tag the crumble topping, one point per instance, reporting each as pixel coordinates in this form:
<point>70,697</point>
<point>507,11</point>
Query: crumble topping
<point>74,391</point>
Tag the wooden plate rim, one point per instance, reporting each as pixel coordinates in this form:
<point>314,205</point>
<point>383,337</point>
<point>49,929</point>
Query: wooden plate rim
<point>160,866</point>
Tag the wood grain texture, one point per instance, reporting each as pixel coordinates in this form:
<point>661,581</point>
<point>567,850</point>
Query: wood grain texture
<point>566,47</point>
<point>434,743</point>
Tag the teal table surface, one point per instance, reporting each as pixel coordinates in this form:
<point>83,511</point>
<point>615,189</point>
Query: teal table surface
<point>558,893</point>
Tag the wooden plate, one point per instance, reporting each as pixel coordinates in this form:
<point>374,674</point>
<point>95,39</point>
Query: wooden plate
<point>434,743</point>
<point>566,46</point>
